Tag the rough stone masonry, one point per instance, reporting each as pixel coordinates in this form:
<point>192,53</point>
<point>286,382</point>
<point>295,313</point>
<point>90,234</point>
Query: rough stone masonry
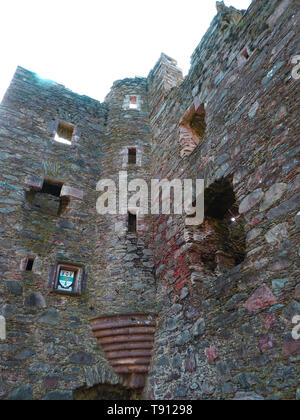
<point>131,306</point>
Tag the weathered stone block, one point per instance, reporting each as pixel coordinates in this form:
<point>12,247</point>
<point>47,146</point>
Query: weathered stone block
<point>290,345</point>
<point>34,182</point>
<point>297,292</point>
<point>261,298</point>
<point>50,317</point>
<point>82,358</point>
<point>211,353</point>
<point>292,310</point>
<point>273,195</point>
<point>199,327</point>
<point>59,396</point>
<point>277,234</point>
<point>22,393</point>
<point>35,300</point>
<point>251,200</point>
<point>247,396</point>
<point>25,354</point>
<point>71,192</point>
<point>266,344</point>
<point>14,287</point>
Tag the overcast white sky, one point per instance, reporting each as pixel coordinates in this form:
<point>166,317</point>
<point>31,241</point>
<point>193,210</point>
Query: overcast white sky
<point>88,44</point>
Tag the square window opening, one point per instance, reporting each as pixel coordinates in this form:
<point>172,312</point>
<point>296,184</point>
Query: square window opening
<point>133,102</point>
<point>64,133</point>
<point>52,188</point>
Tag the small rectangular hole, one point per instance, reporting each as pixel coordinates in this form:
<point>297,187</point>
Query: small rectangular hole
<point>29,264</point>
<point>131,222</point>
<point>132,155</point>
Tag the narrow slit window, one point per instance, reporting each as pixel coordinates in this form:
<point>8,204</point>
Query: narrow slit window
<point>131,222</point>
<point>64,133</point>
<point>29,264</point>
<point>132,156</point>
<point>133,102</point>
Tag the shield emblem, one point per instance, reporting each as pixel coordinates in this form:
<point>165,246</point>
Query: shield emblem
<point>66,281</point>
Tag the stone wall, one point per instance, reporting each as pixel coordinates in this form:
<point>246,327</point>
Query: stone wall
<point>228,335</point>
<point>49,348</point>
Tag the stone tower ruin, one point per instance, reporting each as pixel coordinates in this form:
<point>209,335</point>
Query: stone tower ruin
<point>132,306</point>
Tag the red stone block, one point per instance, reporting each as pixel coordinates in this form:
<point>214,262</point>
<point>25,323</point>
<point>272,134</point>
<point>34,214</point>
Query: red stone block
<point>190,363</point>
<point>261,298</point>
<point>266,343</point>
<point>291,346</point>
<point>212,354</point>
<point>51,383</point>
<point>269,321</point>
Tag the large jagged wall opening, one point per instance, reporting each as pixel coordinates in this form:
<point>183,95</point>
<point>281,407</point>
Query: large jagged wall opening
<point>221,213</point>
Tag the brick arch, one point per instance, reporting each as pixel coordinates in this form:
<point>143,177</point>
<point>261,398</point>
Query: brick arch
<point>191,129</point>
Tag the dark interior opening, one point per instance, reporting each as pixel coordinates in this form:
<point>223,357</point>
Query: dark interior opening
<point>48,199</point>
<point>198,124</point>
<point>131,222</point>
<point>221,212</point>
<point>218,199</point>
<point>245,54</point>
<point>52,188</point>
<point>29,264</point>
<point>63,205</point>
<point>132,155</point>
<point>221,242</point>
